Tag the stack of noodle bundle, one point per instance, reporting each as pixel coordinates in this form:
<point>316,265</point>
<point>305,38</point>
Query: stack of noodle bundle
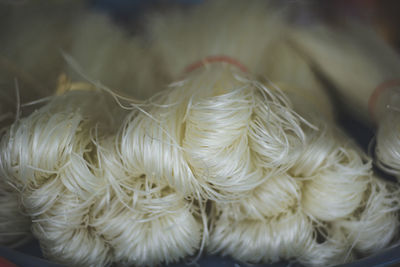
<point>244,128</point>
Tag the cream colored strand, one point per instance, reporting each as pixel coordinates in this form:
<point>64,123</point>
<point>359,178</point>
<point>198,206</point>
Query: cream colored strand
<point>376,220</point>
<point>144,220</point>
<point>66,236</point>
<point>277,195</point>
<point>58,136</point>
<point>340,186</point>
<point>290,235</point>
<point>152,237</point>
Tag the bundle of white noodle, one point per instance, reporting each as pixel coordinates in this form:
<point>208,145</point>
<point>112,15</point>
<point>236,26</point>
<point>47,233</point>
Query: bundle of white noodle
<point>365,70</point>
<point>282,178</point>
<point>104,185</point>
<point>87,205</point>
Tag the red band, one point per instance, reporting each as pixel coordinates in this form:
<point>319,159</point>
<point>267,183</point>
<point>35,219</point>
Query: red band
<point>215,59</point>
<point>375,95</point>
